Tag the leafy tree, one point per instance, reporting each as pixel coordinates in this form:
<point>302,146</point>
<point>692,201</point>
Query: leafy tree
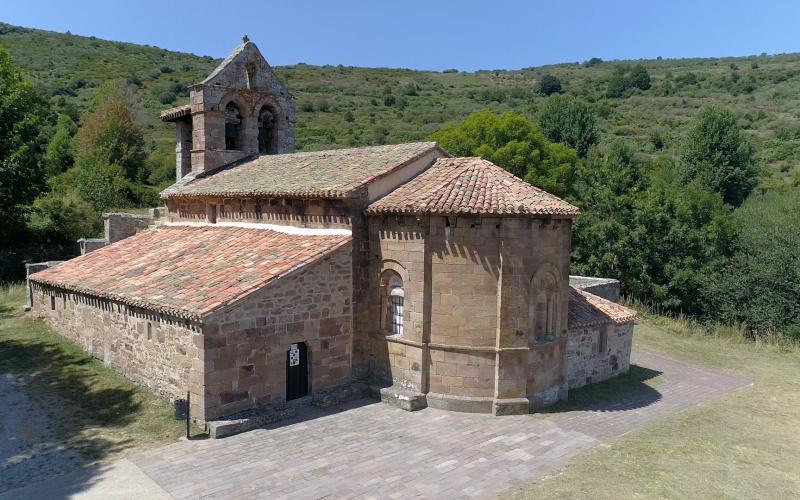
<point>104,185</point>
<point>109,135</point>
<point>658,237</point>
<point>61,217</point>
<point>61,150</point>
<point>639,78</point>
<point>569,120</point>
<point>617,84</point>
<point>760,284</point>
<point>718,156</point>
<point>547,85</point>
<point>593,62</point>
<point>624,78</point>
<point>681,234</point>
<point>23,112</point>
<point>607,185</point>
<point>516,144</point>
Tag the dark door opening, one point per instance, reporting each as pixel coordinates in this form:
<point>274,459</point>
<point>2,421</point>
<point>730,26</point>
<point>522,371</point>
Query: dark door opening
<point>296,371</point>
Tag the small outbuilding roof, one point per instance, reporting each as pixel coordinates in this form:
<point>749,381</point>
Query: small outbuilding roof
<point>172,114</point>
<point>334,173</point>
<point>587,309</point>
<point>189,272</point>
<point>470,186</point>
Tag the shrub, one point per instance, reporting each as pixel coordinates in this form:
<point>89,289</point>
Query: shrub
<point>547,85</point>
<point>166,97</point>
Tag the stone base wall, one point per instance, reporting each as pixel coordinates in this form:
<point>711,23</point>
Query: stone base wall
<point>587,363</point>
<point>546,381</point>
<point>465,374</point>
<point>152,349</point>
<point>246,344</point>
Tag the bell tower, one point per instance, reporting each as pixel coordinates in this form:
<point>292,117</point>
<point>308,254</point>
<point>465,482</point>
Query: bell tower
<point>240,110</point>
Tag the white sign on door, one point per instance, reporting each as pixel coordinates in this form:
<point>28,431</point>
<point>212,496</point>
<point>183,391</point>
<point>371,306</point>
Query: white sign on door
<point>294,355</point>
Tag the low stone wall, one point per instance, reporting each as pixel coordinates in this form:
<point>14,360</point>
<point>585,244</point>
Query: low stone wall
<point>597,353</point>
<point>31,269</point>
<point>119,226</point>
<point>152,349</point>
<point>606,288</point>
<point>91,244</point>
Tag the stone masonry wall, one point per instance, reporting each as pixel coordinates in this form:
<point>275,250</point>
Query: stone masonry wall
<point>152,349</point>
<point>467,340</point>
<point>587,363</point>
<point>246,344</point>
<point>398,245</point>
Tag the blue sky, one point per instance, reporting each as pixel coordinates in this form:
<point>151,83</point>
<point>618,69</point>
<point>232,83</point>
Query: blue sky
<point>433,34</point>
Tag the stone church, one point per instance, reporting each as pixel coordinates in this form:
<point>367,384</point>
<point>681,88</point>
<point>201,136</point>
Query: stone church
<point>273,275</point>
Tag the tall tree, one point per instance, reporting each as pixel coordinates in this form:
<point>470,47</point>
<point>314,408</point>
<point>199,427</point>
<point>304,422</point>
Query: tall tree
<point>516,144</point>
<point>568,119</point>
<point>110,134</point>
<point>760,285</point>
<point>61,149</point>
<point>660,238</point>
<point>718,156</point>
<point>23,112</point>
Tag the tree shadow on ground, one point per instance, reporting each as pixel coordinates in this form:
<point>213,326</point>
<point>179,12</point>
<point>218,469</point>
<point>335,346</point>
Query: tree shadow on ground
<point>623,392</point>
<point>54,400</point>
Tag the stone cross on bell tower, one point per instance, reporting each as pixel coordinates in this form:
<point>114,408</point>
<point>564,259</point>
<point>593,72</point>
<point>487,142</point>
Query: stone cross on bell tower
<point>240,110</point>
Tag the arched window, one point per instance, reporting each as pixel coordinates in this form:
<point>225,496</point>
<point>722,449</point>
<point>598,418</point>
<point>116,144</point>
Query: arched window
<point>543,306</point>
<point>266,132</point>
<point>392,303</point>
<point>233,126</point>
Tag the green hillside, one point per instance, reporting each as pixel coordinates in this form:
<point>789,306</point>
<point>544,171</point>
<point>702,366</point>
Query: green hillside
<point>346,106</point>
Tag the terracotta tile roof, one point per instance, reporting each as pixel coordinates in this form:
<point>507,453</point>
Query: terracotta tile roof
<point>188,272</point>
<point>173,114</point>
<point>470,186</point>
<point>323,174</point>
<point>586,309</point>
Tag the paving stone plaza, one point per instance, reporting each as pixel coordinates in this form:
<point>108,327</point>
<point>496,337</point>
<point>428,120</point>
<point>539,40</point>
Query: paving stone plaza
<point>373,450</point>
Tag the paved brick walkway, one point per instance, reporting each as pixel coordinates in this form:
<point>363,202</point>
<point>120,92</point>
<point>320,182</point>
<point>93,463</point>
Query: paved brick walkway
<point>374,450</point>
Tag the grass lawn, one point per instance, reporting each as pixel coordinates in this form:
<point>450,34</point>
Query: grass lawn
<point>742,445</point>
<point>94,410</point>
